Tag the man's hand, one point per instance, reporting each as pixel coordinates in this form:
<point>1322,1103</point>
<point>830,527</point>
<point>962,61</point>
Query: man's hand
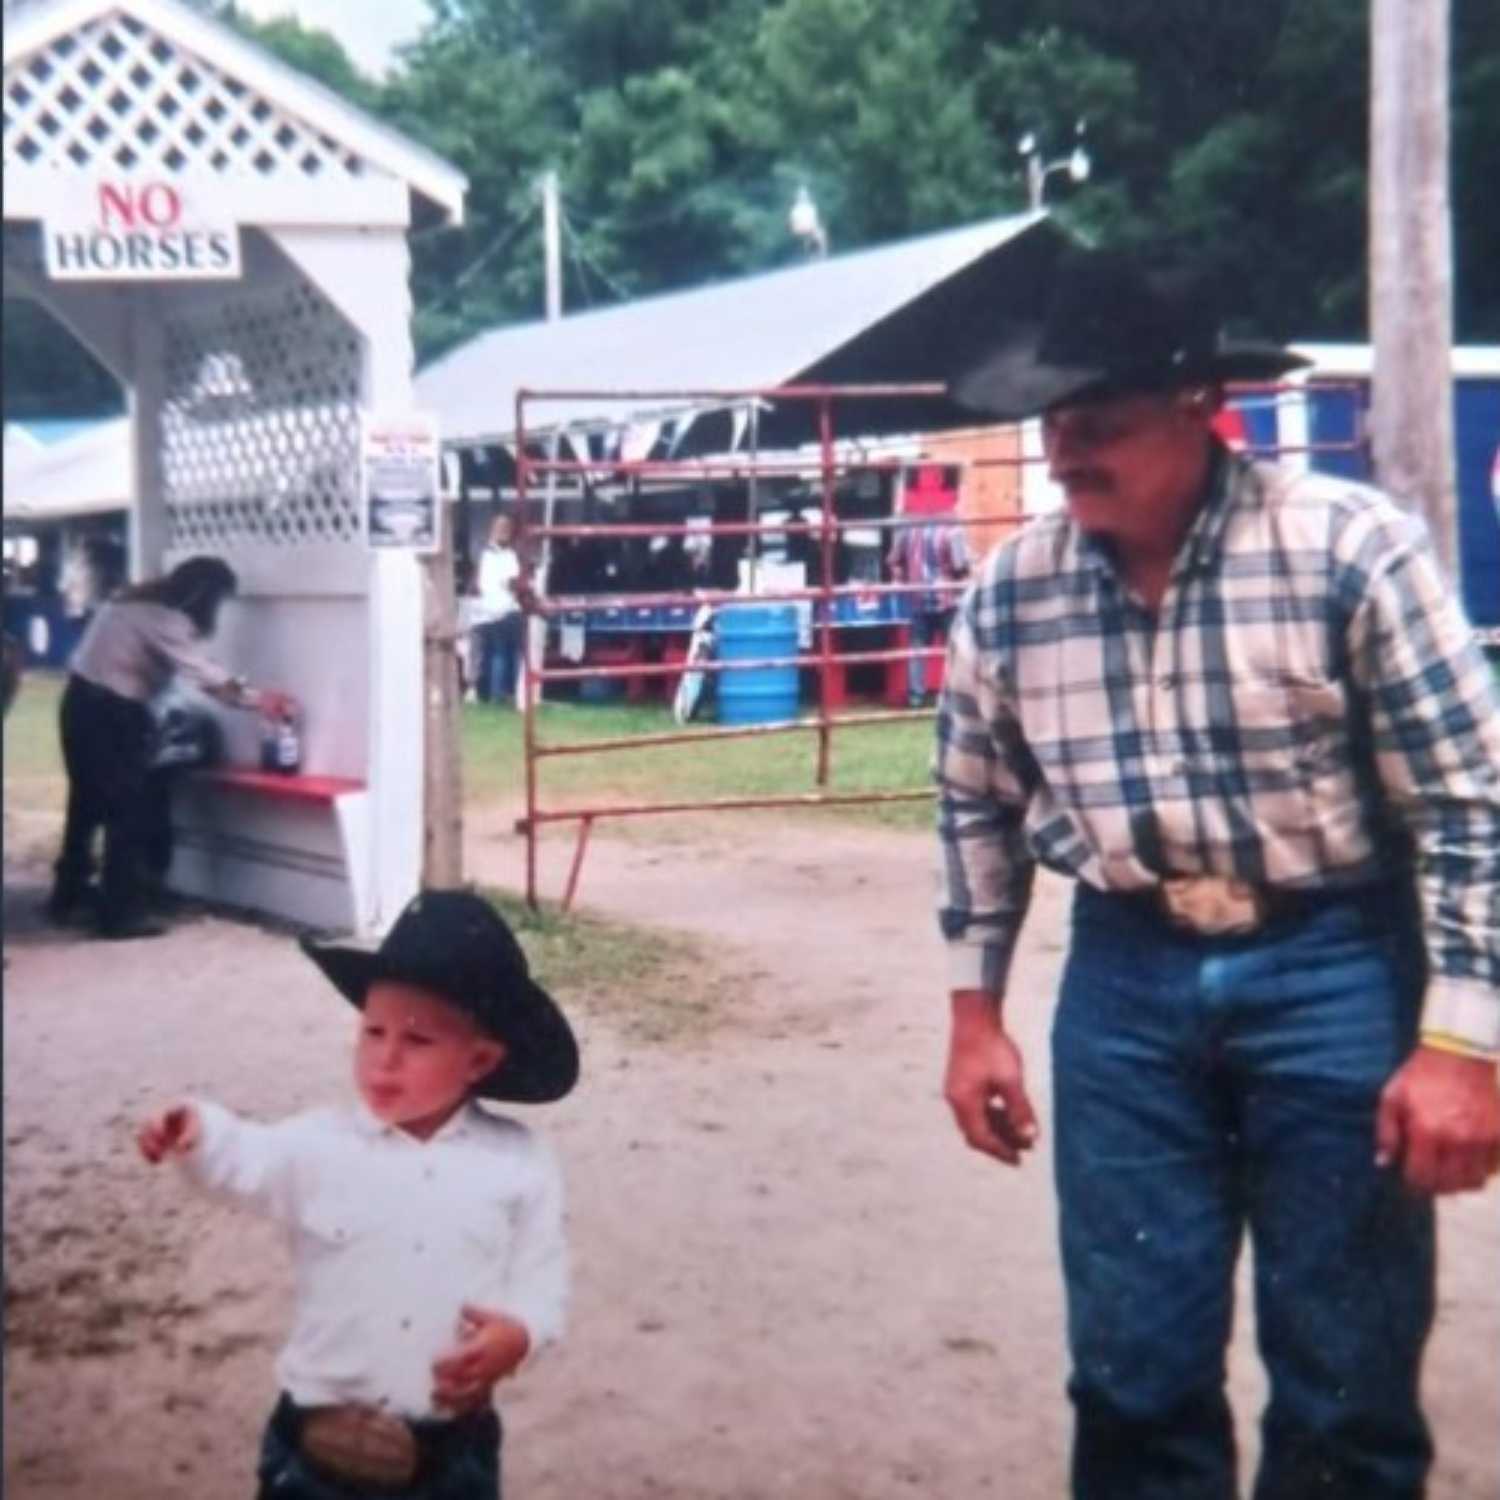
<point>984,1086</point>
<point>173,1132</point>
<point>1439,1119</point>
<point>489,1348</point>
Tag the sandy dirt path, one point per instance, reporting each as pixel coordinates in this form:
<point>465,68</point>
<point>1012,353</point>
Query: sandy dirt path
<point>792,1280</point>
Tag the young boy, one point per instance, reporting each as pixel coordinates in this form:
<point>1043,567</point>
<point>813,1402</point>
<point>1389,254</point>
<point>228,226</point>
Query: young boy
<point>427,1233</point>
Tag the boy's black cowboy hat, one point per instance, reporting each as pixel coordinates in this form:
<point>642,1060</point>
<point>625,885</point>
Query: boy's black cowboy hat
<point>457,945</point>
<point>1112,327</point>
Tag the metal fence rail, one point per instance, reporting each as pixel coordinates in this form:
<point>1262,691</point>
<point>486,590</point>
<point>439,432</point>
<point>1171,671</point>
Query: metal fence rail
<point>828,466</point>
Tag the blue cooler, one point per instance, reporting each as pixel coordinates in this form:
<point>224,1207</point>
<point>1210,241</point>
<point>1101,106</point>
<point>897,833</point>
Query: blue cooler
<point>751,632</point>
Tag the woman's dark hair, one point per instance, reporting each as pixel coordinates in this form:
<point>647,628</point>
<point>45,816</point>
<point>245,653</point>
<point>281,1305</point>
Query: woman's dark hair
<point>197,587</point>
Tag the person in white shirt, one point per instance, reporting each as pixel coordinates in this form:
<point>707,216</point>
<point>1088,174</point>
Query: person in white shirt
<point>427,1232</point>
<point>501,588</point>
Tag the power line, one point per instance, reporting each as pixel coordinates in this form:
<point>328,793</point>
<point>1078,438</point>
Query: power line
<point>582,256</point>
<point>499,243</point>
<point>572,237</point>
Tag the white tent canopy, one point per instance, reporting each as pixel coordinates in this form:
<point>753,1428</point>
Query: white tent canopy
<point>751,333</point>
<point>87,474</point>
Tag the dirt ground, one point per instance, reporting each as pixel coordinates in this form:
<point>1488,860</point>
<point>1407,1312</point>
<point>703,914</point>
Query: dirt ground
<point>791,1278</point>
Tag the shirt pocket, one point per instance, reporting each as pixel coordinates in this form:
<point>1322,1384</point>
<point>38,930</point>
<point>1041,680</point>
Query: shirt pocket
<point>336,1219</point>
<point>1314,710</point>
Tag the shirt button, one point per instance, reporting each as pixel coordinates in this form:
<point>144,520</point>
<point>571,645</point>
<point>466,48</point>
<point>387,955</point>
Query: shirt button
<point>1167,681</point>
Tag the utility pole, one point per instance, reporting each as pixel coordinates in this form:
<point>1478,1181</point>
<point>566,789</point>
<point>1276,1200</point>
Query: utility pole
<point>1411,264</point>
<point>536,625</point>
<point>442,714</point>
<point>552,244</point>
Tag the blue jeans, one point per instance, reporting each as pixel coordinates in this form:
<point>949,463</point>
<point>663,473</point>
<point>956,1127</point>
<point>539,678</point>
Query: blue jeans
<point>926,628</point>
<point>500,657</point>
<point>1206,1086</point>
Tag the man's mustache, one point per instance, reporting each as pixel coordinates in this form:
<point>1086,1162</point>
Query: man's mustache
<point>1083,479</point>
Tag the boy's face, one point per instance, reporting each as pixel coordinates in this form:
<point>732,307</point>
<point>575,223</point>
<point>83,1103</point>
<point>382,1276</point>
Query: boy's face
<point>418,1057</point>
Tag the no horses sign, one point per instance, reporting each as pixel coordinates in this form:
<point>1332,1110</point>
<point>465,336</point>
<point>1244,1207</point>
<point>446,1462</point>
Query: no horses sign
<point>141,231</point>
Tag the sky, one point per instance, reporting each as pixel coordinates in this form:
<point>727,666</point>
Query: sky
<point>368,29</point>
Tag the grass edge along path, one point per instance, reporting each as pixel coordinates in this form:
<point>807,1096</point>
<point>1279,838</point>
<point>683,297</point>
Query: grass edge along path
<point>866,758</point>
<point>881,757</point>
<point>650,985</point>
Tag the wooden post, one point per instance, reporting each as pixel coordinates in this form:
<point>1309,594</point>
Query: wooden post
<point>442,787</point>
<point>1411,264</point>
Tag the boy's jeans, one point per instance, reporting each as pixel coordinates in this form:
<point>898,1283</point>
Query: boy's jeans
<point>1209,1085</point>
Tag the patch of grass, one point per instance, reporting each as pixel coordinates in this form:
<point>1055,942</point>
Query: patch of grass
<point>879,758</point>
<point>35,788</point>
<point>649,985</point>
<point>33,756</point>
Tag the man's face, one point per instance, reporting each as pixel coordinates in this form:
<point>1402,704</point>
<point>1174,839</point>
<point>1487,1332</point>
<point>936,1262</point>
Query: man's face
<point>417,1057</point>
<point>1124,461</point>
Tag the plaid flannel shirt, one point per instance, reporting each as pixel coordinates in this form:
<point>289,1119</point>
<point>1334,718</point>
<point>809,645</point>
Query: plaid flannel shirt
<point>1308,708</point>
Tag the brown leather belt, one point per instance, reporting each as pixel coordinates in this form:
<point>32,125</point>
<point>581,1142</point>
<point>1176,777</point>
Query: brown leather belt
<point>372,1451</point>
<point>359,1445</point>
<point>1215,906</point>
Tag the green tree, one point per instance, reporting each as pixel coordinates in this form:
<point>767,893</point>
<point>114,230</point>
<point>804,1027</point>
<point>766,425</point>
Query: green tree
<point>498,115</point>
<point>317,53</point>
<point>1235,135</point>
<point>48,373</point>
<point>876,105</point>
<point>1044,84</point>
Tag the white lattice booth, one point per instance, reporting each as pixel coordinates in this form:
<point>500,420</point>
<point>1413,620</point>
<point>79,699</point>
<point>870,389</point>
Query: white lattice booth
<point>229,238</point>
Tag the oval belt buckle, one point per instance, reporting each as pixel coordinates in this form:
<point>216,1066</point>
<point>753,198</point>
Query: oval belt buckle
<point>1211,905</point>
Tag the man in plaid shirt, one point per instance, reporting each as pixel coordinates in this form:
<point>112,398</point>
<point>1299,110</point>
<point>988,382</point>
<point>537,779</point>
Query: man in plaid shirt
<point>1240,707</point>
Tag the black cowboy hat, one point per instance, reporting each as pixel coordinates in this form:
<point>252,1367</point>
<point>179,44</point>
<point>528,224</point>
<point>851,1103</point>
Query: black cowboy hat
<point>1112,327</point>
<point>457,945</point>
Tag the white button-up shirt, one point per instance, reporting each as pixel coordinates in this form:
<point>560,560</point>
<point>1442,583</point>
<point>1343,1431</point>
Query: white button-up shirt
<point>391,1236</point>
<point>499,569</point>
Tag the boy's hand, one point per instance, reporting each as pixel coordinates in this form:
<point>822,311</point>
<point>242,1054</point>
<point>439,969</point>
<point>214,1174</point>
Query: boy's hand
<point>173,1132</point>
<point>489,1348</point>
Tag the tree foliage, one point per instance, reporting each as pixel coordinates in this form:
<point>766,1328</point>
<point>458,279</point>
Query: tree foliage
<point>1232,134</point>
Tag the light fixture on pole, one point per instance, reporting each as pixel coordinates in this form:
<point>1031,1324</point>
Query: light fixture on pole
<point>1076,164</point>
<point>804,222</point>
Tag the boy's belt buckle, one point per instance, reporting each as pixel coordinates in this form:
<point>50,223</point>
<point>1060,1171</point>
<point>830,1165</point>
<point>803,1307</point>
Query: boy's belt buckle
<point>1212,905</point>
<point>360,1445</point>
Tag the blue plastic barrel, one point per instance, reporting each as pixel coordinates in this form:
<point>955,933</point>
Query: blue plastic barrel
<point>753,632</point>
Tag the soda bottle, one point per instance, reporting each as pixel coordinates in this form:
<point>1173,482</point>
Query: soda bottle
<point>281,743</point>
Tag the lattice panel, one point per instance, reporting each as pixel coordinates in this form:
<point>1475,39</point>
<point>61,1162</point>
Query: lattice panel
<point>260,423</point>
<point>117,94</point>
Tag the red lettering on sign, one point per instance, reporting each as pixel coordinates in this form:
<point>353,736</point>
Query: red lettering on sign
<point>116,203</point>
<point>160,205</point>
<point>156,204</point>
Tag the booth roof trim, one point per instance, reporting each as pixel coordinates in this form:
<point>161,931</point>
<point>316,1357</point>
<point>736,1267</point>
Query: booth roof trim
<point>33,27</point>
